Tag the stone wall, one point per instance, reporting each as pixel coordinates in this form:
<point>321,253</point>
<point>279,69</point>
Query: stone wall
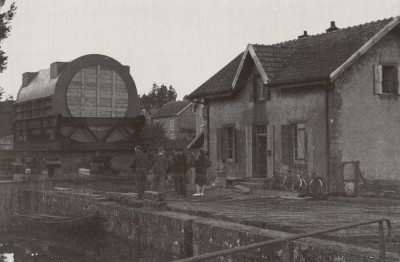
<point>15,196</point>
<point>364,125</point>
<point>186,235</point>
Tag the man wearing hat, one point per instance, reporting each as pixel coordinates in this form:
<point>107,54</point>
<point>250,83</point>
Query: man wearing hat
<point>159,167</point>
<point>179,167</point>
<point>140,166</point>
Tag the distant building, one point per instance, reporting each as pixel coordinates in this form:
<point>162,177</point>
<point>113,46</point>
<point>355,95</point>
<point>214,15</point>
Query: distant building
<point>6,117</point>
<point>178,119</point>
<point>6,142</point>
<point>311,104</point>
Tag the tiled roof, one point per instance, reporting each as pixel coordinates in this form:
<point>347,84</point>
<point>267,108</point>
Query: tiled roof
<point>272,57</point>
<point>221,82</point>
<point>314,58</point>
<point>171,109</point>
<point>301,60</point>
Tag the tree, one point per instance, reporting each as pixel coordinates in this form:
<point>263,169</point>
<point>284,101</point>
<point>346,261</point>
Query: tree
<point>157,97</point>
<point>5,27</point>
<point>154,135</point>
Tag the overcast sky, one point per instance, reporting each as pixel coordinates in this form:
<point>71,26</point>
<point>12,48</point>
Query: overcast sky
<point>178,43</point>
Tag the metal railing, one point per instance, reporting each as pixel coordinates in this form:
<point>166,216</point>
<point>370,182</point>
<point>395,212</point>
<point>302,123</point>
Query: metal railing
<point>286,250</point>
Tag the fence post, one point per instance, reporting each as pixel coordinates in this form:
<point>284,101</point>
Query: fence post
<point>382,243</point>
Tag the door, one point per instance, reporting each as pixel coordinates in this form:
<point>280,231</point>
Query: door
<point>261,151</point>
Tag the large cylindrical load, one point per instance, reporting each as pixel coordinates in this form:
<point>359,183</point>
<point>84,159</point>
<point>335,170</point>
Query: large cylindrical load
<point>89,96</point>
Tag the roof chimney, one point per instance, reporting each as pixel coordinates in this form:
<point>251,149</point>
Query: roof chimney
<point>55,69</point>
<point>332,28</point>
<point>303,35</point>
<point>27,77</point>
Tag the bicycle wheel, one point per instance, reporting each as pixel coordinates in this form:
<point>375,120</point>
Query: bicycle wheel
<point>299,185</point>
<point>287,184</point>
<point>316,186</point>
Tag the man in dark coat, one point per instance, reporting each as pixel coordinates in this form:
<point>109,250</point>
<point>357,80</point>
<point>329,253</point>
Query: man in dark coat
<point>179,168</point>
<point>159,165</point>
<point>140,165</point>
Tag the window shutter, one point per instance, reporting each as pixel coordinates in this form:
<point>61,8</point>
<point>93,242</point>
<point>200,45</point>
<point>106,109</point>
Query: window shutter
<point>378,79</point>
<point>219,143</point>
<point>285,139</point>
<point>398,80</point>
<point>234,145</point>
<point>292,129</point>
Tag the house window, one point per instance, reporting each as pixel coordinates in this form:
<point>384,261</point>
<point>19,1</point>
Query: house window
<point>194,108</point>
<point>299,142</point>
<point>172,136</point>
<point>386,79</point>
<point>226,143</point>
<point>389,79</point>
<point>172,125</point>
<point>294,144</point>
<point>258,88</point>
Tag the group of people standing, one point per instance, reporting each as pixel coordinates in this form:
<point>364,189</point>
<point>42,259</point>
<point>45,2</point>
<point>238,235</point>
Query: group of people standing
<point>180,165</point>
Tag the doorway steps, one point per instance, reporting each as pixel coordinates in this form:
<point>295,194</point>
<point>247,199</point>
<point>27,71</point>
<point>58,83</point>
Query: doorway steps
<point>255,183</point>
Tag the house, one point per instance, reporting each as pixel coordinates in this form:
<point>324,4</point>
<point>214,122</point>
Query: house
<point>312,104</point>
<point>6,117</point>
<point>178,119</point>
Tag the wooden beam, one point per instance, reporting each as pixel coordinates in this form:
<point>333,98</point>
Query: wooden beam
<point>73,131</point>
<point>100,121</point>
<point>98,92</point>
<point>258,64</point>
<point>82,93</point>
<point>240,68</point>
<point>109,132</point>
<point>113,95</point>
<point>92,133</point>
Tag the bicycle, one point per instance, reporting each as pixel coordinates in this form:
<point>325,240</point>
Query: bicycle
<point>316,184</point>
<point>278,179</point>
<point>299,183</point>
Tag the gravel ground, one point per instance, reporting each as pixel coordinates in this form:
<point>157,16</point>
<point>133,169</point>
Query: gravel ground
<point>271,209</point>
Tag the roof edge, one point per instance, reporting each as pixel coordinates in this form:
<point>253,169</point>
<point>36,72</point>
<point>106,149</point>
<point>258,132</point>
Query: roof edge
<point>364,48</point>
<point>258,64</point>
<point>190,103</point>
<point>235,79</point>
<point>309,83</point>
<point>217,94</point>
<point>250,50</point>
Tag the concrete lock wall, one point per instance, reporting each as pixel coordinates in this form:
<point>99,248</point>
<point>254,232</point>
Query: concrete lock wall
<point>364,125</point>
<point>186,235</point>
<point>15,196</point>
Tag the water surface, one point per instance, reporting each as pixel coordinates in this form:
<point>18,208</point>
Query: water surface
<point>44,246</point>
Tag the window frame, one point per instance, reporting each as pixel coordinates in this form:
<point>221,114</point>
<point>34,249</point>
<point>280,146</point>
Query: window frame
<point>391,74</point>
<point>290,144</point>
<point>379,79</point>
<point>172,124</point>
<point>228,143</point>
<point>258,85</point>
<point>296,129</point>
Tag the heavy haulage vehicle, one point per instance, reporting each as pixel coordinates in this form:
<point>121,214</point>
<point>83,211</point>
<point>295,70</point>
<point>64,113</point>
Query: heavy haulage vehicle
<point>88,107</point>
